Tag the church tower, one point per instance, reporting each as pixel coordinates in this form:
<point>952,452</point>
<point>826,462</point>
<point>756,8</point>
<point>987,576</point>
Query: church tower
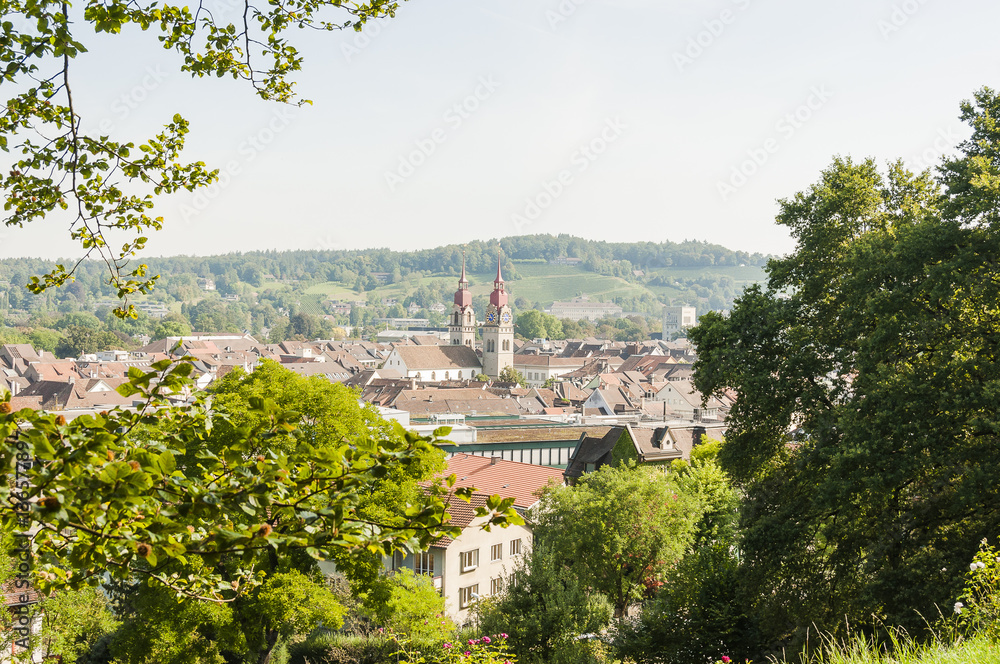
<point>498,330</point>
<point>462,325</point>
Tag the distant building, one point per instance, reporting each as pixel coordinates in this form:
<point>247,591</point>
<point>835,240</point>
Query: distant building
<point>677,319</point>
<point>580,308</point>
<point>565,260</point>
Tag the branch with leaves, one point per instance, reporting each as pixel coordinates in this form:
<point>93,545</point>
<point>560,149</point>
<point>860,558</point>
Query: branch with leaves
<point>108,187</point>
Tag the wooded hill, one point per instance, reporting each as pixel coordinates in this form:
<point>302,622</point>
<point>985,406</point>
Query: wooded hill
<point>639,276</point>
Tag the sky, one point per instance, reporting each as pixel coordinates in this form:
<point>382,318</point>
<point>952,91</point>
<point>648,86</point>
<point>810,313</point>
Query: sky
<point>617,120</point>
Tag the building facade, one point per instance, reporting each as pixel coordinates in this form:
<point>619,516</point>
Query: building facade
<point>678,319</point>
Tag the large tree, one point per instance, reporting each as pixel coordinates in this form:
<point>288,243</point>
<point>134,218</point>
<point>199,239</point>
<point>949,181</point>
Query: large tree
<point>865,435</point>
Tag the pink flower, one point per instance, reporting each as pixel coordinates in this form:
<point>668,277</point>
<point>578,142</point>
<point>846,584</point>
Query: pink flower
<point>486,639</point>
<point>725,659</point>
<point>467,653</point>
<point>447,645</point>
<point>503,636</point>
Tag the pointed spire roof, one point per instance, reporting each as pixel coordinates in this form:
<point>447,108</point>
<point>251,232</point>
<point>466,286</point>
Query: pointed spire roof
<point>463,297</point>
<point>498,297</point>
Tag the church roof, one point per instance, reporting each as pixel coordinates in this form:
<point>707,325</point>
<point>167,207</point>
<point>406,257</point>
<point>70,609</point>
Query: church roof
<point>423,358</point>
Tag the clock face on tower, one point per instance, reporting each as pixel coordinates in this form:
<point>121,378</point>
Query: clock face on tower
<point>505,318</point>
<point>491,317</point>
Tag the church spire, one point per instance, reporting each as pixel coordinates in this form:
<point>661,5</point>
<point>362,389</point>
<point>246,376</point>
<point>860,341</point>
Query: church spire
<point>463,297</point>
<point>498,298</point>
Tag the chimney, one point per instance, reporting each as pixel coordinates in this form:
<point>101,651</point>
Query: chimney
<point>493,460</point>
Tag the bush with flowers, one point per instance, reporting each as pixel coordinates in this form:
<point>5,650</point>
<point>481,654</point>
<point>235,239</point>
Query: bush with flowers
<point>484,650</point>
<point>978,609</point>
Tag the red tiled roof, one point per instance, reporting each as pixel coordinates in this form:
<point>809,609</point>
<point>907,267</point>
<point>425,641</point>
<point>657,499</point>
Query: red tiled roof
<point>521,481</point>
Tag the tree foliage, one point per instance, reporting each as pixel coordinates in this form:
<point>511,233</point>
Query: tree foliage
<point>865,433</point>
<point>545,607</point>
<point>150,493</point>
<point>619,528</point>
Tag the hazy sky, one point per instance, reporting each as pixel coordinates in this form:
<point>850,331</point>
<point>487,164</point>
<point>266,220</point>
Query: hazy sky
<point>607,119</point>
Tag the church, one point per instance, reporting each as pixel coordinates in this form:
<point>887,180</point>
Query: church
<point>458,360</point>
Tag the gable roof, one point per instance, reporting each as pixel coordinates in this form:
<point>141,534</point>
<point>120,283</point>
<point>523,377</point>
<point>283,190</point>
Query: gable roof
<point>422,358</point>
<point>509,479</point>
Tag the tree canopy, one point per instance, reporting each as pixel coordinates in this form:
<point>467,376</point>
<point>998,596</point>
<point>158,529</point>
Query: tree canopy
<point>865,435</point>
<point>619,528</point>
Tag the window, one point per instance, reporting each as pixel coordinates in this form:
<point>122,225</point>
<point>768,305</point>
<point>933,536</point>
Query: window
<point>434,375</point>
<point>496,552</point>
<point>496,585</point>
<point>423,563</point>
<point>467,596</point>
<point>469,560</point>
<point>515,547</point>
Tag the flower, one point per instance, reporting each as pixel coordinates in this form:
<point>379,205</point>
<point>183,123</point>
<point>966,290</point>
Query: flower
<point>447,645</point>
<point>502,635</point>
<point>467,653</point>
<point>958,607</point>
<point>486,639</point>
<point>725,659</point>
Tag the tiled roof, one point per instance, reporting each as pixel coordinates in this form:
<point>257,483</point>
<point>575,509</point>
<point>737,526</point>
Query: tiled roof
<point>509,479</point>
<point>421,358</point>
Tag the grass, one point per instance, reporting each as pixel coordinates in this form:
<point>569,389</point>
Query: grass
<point>859,650</point>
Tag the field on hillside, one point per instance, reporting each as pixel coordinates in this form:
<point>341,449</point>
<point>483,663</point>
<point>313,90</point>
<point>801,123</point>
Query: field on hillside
<point>537,282</point>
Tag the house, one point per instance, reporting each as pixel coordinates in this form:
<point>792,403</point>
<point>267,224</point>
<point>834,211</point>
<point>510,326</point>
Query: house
<point>660,445</point>
<point>537,369</point>
<point>678,319</point>
<point>580,308</point>
<point>684,401</point>
<point>434,363</point>
<point>477,563</point>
